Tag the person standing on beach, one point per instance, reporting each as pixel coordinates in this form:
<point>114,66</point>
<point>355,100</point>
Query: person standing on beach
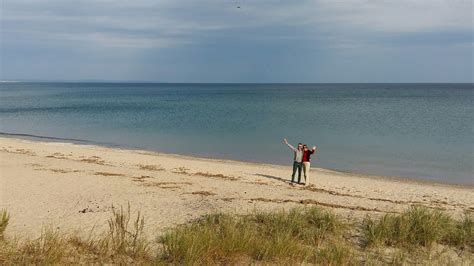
<point>297,159</point>
<point>306,162</point>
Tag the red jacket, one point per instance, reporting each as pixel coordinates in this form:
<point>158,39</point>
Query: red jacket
<point>307,155</point>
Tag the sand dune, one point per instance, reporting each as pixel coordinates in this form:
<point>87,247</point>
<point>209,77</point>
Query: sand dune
<point>74,187</point>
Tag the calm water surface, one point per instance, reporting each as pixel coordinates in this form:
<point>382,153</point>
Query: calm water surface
<point>414,130</point>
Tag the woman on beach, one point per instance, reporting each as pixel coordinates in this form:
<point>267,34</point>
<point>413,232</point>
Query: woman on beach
<point>306,158</point>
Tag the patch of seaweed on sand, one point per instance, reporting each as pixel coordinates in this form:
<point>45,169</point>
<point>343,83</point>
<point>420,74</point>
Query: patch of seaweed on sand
<point>150,167</point>
<point>203,193</point>
<point>207,174</point>
<point>20,151</point>
<point>58,170</point>
<point>166,185</point>
<point>108,174</point>
<point>141,178</point>
<point>185,171</point>
<point>93,159</point>
<point>315,202</point>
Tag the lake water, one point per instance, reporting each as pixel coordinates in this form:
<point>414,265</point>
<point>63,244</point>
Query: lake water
<point>414,130</point>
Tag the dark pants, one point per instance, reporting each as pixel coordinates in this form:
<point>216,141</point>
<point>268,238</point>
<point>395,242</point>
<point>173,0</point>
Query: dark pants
<point>296,165</point>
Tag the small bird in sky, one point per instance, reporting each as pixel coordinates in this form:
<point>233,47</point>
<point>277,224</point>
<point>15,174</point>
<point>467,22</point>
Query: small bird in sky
<point>238,6</point>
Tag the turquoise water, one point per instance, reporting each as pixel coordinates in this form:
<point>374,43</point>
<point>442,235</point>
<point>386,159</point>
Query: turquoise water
<point>415,130</point>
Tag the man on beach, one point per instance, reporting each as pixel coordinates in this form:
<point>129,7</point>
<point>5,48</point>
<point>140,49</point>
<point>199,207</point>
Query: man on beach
<point>297,160</point>
<point>306,162</point>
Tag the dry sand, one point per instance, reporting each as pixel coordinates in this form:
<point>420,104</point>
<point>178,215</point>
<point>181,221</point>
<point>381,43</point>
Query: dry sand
<point>72,187</point>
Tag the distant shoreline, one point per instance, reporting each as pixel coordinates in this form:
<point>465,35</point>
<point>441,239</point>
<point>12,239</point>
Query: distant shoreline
<point>214,83</point>
<point>125,147</point>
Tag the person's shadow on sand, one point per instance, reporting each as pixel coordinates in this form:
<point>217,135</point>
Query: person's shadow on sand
<point>275,178</point>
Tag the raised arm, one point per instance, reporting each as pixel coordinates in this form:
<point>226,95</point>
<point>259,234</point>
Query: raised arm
<point>313,149</point>
<point>289,145</point>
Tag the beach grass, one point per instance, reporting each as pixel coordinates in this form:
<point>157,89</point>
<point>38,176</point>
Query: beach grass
<point>48,248</point>
<point>4,218</point>
<point>462,233</point>
<point>123,243</point>
<point>294,235</point>
<point>418,227</point>
<point>309,235</point>
<point>126,238</point>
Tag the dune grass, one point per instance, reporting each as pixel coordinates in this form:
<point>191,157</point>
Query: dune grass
<point>126,239</point>
<point>462,233</point>
<point>124,242</point>
<point>298,236</point>
<point>46,249</point>
<point>294,236</point>
<point>418,227</point>
<point>4,218</point>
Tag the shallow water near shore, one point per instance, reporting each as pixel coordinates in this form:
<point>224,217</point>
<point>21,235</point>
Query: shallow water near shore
<point>413,130</point>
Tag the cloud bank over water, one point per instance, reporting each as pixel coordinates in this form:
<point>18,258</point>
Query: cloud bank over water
<point>215,41</point>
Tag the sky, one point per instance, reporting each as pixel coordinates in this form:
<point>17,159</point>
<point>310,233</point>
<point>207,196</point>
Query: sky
<point>237,40</point>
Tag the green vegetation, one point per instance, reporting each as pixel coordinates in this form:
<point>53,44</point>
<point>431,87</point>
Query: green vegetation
<point>418,227</point>
<point>46,249</point>
<point>4,218</point>
<point>124,240</point>
<point>462,234</point>
<point>123,243</point>
<point>302,235</point>
<point>295,236</point>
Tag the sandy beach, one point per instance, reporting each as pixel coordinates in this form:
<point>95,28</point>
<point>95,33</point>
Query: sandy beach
<point>73,187</point>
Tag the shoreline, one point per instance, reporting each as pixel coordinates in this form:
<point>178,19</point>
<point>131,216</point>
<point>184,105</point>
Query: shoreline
<point>46,139</point>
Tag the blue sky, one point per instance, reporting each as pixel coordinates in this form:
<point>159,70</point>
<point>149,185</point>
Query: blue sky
<point>214,41</point>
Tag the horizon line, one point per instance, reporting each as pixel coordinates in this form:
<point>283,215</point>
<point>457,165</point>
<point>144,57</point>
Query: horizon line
<point>215,82</point>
